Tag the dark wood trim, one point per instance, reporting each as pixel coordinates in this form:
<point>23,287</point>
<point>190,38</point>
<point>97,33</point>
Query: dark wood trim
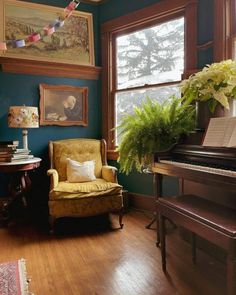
<point>188,73</point>
<point>191,36</point>
<point>112,155</point>
<point>142,202</point>
<point>106,81</point>
<point>146,14</point>
<point>205,45</point>
<point>146,86</point>
<point>32,67</point>
<point>153,14</point>
<point>224,29</point>
<point>231,33</point>
<point>220,25</point>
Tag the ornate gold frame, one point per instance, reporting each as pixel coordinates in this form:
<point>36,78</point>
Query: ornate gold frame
<point>54,108</point>
<point>17,18</point>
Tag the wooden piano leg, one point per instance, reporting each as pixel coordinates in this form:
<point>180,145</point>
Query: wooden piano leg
<point>193,241</point>
<point>158,232</point>
<point>157,185</point>
<point>231,274</point>
<point>162,231</point>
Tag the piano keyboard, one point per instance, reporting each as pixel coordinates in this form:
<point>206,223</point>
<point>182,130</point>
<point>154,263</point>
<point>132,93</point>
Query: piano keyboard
<point>207,169</point>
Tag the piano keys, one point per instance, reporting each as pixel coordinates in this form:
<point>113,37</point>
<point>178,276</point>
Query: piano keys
<point>206,165</point>
<point>206,169</point>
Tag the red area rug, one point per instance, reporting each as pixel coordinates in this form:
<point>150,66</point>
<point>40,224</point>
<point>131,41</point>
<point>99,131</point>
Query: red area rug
<point>13,280</point>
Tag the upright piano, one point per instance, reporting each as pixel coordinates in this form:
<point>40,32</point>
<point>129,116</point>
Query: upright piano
<point>207,175</point>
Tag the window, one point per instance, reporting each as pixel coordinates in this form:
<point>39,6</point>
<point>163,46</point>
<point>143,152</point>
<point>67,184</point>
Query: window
<point>149,63</point>
<point>145,53</point>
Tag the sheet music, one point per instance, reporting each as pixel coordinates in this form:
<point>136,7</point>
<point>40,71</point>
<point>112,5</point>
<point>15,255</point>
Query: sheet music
<point>221,132</point>
<point>230,133</point>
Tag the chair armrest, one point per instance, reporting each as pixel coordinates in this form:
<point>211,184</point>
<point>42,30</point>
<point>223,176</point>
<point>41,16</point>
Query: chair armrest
<point>109,173</point>
<point>53,178</point>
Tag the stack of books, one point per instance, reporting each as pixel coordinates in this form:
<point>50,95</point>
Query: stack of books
<point>10,153</point>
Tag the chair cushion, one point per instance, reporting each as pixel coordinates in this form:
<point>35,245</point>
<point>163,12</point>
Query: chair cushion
<point>80,172</point>
<point>85,206</point>
<point>99,187</point>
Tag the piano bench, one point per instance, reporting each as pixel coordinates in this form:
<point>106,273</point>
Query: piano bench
<point>211,221</point>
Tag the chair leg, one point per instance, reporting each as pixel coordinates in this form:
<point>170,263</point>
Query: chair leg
<point>51,220</point>
<point>121,213</point>
<point>162,231</point>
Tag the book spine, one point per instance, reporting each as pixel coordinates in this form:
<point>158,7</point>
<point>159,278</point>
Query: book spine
<point>9,142</point>
<point>7,149</point>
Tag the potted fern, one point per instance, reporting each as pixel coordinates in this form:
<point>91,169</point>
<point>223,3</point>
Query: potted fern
<point>153,127</point>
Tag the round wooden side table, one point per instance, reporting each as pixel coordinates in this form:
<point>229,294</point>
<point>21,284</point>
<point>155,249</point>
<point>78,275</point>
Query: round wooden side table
<point>20,182</point>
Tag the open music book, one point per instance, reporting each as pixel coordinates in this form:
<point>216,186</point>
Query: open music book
<point>221,132</point>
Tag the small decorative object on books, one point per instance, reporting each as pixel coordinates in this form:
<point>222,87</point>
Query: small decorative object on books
<point>221,132</point>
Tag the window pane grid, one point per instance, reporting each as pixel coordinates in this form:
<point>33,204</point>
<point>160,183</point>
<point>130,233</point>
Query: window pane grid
<point>150,56</point>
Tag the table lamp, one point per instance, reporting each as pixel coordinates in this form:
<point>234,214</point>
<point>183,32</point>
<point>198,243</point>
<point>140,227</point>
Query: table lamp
<point>23,117</point>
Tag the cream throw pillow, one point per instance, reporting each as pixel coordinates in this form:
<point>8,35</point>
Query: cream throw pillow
<point>80,172</point>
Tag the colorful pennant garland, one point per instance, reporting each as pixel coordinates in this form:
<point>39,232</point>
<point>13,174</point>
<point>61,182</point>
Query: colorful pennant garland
<point>46,31</point>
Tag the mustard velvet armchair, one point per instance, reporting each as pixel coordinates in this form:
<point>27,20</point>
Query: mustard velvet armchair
<point>103,195</point>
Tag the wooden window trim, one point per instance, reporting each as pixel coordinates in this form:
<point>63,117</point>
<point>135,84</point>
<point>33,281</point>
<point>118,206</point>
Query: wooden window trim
<point>224,29</point>
<point>160,12</point>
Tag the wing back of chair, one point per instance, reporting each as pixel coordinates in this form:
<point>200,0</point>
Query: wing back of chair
<point>80,150</point>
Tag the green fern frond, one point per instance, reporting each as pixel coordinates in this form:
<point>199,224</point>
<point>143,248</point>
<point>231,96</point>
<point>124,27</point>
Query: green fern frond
<point>152,127</point>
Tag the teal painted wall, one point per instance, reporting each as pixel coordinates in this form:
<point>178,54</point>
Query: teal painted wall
<point>18,89</point>
<point>137,182</point>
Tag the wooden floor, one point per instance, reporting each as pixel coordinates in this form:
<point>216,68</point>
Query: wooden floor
<point>96,260</point>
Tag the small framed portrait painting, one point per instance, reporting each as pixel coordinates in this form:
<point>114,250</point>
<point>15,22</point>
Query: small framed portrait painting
<point>63,105</point>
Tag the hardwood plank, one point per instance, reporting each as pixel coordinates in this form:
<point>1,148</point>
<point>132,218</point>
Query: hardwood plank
<point>87,257</point>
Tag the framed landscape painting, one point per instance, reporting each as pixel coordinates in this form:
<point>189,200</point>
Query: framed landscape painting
<point>72,43</point>
<point>63,105</point>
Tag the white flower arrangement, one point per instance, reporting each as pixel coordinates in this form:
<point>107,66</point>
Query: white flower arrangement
<point>215,84</point>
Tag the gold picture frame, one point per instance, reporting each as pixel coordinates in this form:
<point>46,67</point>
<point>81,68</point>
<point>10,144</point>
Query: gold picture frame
<point>71,44</point>
<point>63,105</point>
